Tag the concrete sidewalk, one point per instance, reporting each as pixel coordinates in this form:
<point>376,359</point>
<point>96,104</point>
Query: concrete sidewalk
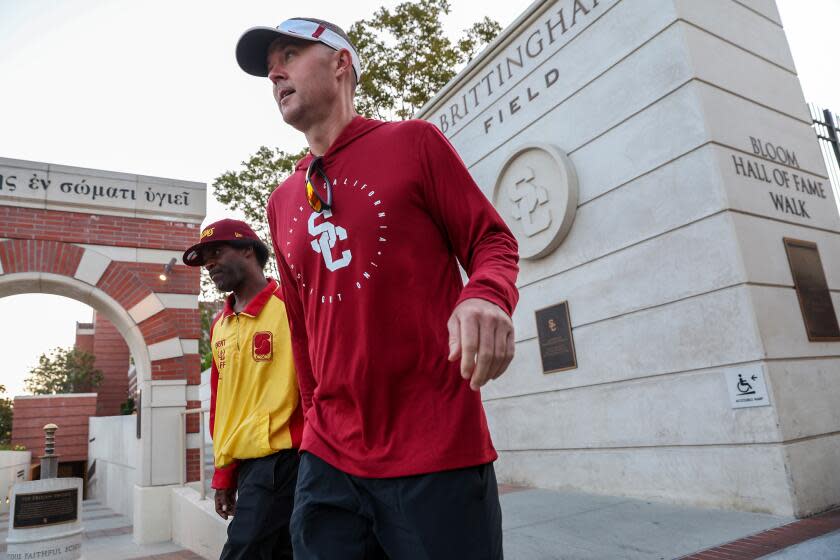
<point>107,536</point>
<point>551,525</point>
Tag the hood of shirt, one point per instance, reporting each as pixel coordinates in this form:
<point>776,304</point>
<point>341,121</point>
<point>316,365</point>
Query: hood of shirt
<point>356,128</point>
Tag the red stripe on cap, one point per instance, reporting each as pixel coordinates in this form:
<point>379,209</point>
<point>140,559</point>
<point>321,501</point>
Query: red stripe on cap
<point>318,31</point>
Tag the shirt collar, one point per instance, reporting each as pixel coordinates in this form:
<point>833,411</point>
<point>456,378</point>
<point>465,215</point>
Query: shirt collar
<point>255,305</point>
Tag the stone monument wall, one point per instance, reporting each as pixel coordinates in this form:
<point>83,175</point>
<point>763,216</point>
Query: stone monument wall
<point>678,133</point>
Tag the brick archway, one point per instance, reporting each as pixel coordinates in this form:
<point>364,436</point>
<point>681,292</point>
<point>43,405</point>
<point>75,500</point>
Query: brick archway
<point>163,340</point>
<point>103,238</point>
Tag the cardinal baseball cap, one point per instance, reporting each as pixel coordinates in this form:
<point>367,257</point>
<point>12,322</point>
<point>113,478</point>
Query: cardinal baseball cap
<point>252,48</point>
<point>221,231</point>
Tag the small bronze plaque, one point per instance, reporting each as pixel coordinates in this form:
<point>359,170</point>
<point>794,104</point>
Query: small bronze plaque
<point>46,508</point>
<point>812,290</point>
<point>554,330</point>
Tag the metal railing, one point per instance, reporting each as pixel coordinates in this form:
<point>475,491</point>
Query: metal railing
<point>201,458</point>
<point>825,124</point>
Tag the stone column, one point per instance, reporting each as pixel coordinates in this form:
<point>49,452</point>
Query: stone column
<point>685,125</point>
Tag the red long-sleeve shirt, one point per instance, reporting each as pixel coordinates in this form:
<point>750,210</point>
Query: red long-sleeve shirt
<point>369,287</point>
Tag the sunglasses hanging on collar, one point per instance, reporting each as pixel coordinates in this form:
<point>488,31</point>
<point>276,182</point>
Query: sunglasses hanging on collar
<point>318,204</point>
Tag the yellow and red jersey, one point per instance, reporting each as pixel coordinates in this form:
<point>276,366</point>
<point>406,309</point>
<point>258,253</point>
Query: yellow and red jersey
<point>254,397</point>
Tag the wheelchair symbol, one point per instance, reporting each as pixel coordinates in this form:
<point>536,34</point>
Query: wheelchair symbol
<point>744,388</point>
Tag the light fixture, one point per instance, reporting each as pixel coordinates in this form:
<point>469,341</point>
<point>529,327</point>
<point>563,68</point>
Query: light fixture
<point>167,270</point>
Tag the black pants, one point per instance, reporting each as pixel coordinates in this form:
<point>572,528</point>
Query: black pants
<point>438,516</point>
<point>265,497</point>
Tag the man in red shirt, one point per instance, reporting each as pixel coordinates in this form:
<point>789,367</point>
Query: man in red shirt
<point>390,347</point>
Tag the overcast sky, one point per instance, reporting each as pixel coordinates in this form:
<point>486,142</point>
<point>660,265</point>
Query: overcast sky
<point>152,87</point>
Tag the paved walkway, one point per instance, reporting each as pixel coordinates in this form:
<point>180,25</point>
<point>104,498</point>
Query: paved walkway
<point>107,536</point>
<point>550,525</point>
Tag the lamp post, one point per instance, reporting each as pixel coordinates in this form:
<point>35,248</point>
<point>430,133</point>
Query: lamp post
<point>49,460</point>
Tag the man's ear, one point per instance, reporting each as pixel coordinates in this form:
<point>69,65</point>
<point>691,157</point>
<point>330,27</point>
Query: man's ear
<point>246,250</point>
<point>344,63</point>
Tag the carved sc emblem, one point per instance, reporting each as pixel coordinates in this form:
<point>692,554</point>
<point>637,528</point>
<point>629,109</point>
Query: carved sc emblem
<point>537,193</point>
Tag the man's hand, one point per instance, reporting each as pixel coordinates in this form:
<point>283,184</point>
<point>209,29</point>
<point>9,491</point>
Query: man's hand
<point>481,335</point>
<point>225,502</point>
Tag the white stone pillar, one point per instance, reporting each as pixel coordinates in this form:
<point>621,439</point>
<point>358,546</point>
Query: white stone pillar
<point>162,403</point>
<point>674,268</point>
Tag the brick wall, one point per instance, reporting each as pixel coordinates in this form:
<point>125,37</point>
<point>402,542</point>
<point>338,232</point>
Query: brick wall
<point>193,425</point>
<point>84,341</point>
<point>193,465</point>
<point>38,256</point>
<point>112,357</point>
<point>193,420</point>
<point>74,227</point>
<point>69,412</point>
<point>182,280</point>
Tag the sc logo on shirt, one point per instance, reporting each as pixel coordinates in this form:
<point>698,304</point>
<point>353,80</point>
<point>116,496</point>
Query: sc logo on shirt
<point>263,347</point>
<point>327,235</point>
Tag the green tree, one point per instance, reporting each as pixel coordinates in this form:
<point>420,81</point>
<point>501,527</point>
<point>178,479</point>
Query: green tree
<point>208,311</point>
<point>5,419</point>
<point>407,57</point>
<point>128,406</point>
<point>64,370</point>
<point>248,189</point>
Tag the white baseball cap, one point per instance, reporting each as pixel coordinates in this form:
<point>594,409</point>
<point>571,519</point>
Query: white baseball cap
<point>252,47</point>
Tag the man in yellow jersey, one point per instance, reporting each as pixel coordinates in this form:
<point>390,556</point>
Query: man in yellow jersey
<point>255,415</point>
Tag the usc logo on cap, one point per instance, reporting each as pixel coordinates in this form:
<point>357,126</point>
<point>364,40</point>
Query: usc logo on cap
<point>206,233</point>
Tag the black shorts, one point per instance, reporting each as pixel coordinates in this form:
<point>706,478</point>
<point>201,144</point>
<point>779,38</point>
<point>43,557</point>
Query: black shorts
<point>450,514</point>
<point>265,497</point>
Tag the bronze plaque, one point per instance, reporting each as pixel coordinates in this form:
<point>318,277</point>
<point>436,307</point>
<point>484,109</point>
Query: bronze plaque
<point>554,330</point>
<point>46,508</point>
<point>812,290</point>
